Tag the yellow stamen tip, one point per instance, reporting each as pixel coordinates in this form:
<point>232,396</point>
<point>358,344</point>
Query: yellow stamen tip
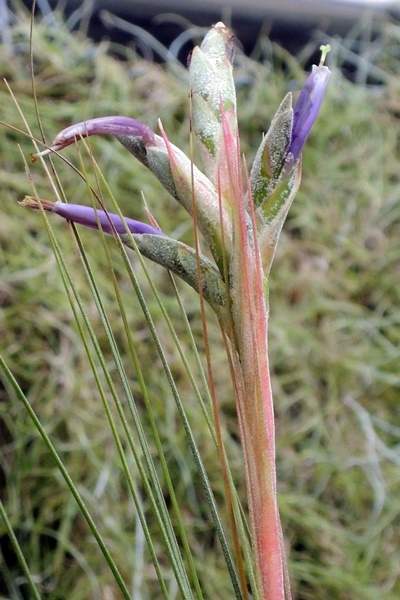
<point>325,48</point>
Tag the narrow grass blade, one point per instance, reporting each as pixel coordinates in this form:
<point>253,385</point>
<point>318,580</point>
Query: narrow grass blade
<point>85,513</point>
<point>17,548</point>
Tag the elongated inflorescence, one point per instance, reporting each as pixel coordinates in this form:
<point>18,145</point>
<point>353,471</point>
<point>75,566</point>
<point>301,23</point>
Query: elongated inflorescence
<point>241,228</point>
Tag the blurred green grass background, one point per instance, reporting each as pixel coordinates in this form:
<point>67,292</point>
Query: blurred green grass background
<point>334,330</point>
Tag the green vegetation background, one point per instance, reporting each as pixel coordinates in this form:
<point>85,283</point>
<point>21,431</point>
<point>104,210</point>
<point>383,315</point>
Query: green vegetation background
<point>334,331</point>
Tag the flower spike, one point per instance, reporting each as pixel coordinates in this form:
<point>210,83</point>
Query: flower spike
<point>241,231</point>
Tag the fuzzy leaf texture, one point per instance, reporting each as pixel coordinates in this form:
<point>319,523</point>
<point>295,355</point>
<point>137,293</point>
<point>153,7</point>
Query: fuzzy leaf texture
<point>212,90</point>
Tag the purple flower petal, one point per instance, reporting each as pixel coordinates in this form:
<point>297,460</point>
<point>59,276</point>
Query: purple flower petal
<point>109,222</point>
<point>90,217</point>
<point>116,125</point>
<point>306,110</point>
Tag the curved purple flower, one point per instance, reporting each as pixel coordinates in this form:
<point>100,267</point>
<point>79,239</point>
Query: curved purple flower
<point>306,110</point>
<point>114,125</point>
<point>91,217</point>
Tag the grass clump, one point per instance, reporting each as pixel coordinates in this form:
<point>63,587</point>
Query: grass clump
<point>334,338</point>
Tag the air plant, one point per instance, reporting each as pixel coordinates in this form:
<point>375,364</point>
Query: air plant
<point>240,217</point>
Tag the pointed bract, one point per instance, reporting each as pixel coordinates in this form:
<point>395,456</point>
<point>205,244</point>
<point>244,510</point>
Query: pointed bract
<point>271,156</point>
<point>212,88</point>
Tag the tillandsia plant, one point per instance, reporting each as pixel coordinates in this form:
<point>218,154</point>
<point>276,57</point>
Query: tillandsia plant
<point>240,218</point>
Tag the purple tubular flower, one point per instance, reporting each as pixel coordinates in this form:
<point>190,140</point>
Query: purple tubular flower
<point>109,222</point>
<point>90,217</point>
<point>306,110</point>
<point>114,125</point>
